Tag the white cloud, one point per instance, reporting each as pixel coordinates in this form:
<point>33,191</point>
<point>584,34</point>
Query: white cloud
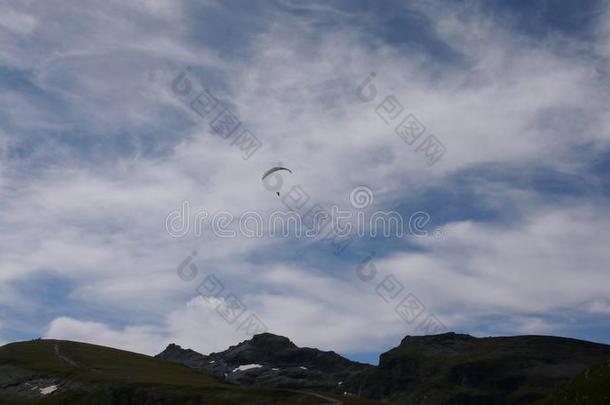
<point>598,306</point>
<point>20,23</point>
<point>132,338</point>
<point>534,326</point>
<point>541,264</point>
<point>550,260</point>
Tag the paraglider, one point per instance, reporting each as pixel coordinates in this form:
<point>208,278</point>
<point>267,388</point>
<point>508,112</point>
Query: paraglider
<point>273,170</point>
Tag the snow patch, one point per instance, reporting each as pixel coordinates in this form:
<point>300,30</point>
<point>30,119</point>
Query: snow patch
<point>303,368</point>
<point>246,367</point>
<point>275,369</point>
<point>48,390</point>
<point>213,361</point>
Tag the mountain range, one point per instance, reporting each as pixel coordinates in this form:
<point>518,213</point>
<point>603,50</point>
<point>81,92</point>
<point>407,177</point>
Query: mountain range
<point>444,369</point>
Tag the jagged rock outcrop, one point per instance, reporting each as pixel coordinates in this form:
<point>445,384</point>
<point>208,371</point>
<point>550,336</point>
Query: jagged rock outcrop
<point>272,361</point>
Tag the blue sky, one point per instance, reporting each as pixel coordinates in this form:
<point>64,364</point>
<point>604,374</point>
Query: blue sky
<point>96,150</point>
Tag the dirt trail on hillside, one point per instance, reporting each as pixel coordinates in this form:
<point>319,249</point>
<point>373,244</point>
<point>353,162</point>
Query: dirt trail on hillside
<point>64,357</point>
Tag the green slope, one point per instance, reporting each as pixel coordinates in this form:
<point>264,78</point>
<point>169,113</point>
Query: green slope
<point>90,374</point>
<point>589,388</point>
<point>98,364</point>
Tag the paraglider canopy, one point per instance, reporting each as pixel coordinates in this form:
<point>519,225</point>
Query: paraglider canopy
<point>273,170</point>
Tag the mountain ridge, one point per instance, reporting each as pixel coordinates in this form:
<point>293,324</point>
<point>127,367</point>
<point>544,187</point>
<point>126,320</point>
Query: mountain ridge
<point>445,369</point>
<point>59,372</point>
<point>449,368</point>
<point>270,360</point>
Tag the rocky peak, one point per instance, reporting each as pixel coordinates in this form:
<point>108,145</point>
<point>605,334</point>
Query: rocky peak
<point>450,343</point>
<point>175,353</point>
<point>271,360</point>
<point>443,337</point>
<point>270,340</point>
<point>261,348</point>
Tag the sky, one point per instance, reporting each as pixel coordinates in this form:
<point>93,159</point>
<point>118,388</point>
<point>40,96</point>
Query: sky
<point>101,145</point>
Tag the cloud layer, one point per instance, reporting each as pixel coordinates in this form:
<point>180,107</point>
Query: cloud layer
<point>96,151</point>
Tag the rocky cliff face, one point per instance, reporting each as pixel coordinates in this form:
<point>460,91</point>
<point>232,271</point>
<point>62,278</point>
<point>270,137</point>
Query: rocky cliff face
<point>461,369</point>
<point>272,361</point>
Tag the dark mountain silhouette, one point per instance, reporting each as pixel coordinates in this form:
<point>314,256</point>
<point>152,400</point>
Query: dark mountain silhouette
<point>461,369</point>
<point>272,361</point>
<point>447,369</point>
<point>70,373</point>
<point>437,370</point>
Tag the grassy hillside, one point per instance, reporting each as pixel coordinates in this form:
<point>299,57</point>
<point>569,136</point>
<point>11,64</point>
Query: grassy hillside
<point>90,374</point>
<point>98,364</point>
<point>589,388</point>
